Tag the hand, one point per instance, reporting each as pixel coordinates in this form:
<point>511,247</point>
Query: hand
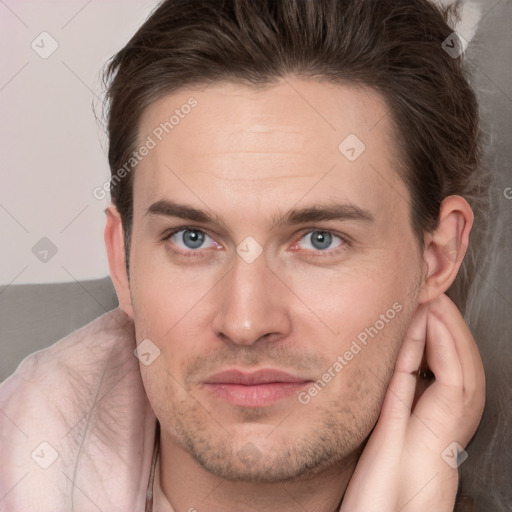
<point>401,467</point>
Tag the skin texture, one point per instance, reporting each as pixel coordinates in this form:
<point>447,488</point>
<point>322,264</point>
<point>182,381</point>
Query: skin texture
<point>249,156</point>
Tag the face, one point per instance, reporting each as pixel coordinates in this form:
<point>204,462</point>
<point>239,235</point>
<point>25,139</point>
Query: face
<point>274,267</point>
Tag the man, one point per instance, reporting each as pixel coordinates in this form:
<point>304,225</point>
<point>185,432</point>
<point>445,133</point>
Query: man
<point>288,187</point>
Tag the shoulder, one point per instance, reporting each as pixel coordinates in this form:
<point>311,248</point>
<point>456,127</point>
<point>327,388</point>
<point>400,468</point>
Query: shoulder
<point>75,408</point>
<point>45,371</point>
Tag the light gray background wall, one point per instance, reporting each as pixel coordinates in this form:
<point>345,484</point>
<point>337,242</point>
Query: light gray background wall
<point>53,152</point>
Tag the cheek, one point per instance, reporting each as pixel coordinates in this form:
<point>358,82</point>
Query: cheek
<point>341,301</point>
<point>362,366</point>
<point>363,316</point>
<point>167,297</point>
<point>168,310</point>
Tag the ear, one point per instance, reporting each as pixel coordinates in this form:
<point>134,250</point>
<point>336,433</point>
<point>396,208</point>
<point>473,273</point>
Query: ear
<point>446,247</point>
<point>114,242</point>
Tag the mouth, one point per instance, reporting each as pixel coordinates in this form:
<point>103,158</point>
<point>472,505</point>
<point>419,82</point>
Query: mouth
<point>256,389</point>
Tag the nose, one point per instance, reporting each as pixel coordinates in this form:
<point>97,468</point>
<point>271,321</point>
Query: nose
<point>252,304</point>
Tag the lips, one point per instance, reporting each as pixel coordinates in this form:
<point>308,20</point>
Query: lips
<point>254,378</point>
<point>256,389</point>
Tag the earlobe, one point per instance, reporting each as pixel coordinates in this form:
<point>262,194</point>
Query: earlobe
<point>114,243</point>
<point>446,247</point>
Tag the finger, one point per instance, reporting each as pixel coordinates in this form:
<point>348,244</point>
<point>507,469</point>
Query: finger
<point>379,463</point>
<point>399,398</point>
<point>411,353</point>
<point>442,357</point>
<point>472,371</point>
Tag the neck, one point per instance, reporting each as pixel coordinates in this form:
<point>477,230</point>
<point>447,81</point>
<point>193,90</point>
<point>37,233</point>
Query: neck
<point>188,486</point>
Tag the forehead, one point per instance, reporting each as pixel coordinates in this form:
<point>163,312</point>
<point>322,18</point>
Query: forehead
<point>248,147</point>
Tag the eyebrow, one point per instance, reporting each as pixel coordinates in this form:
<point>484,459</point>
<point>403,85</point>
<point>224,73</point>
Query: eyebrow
<point>314,213</point>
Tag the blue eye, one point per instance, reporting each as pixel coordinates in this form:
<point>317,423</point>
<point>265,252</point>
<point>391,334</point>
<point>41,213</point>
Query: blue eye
<point>322,240</point>
<point>188,239</point>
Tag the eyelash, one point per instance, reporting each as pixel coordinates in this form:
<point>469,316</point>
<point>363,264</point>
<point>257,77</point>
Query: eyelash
<point>199,254</point>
